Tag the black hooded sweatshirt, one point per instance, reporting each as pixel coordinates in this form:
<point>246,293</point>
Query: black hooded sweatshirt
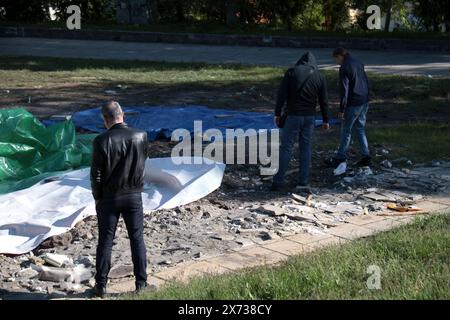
<point>303,102</point>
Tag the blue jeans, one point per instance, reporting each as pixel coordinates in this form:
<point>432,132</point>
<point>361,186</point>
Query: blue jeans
<point>296,127</point>
<point>354,118</point>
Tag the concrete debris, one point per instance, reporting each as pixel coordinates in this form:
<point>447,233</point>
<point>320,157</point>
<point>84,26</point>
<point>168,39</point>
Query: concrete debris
<point>303,200</point>
<point>223,237</point>
<point>77,274</point>
<point>341,169</point>
<point>435,163</point>
<point>64,239</point>
<point>71,287</point>
<point>244,242</point>
<point>386,164</point>
<point>27,273</point>
<point>86,260</point>
<point>121,271</point>
<point>57,260</point>
<point>379,197</point>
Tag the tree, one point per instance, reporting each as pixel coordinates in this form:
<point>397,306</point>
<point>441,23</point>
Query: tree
<point>154,15</point>
<point>433,13</point>
<point>388,16</point>
<point>336,13</point>
<point>26,10</point>
<point>288,10</point>
<point>231,12</point>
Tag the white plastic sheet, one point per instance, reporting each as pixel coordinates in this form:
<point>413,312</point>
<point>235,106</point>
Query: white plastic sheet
<point>29,216</point>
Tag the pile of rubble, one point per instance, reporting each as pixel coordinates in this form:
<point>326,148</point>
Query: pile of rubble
<point>49,273</point>
<point>241,213</point>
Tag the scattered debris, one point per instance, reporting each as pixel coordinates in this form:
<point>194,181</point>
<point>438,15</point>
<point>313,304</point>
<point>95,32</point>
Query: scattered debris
<point>121,271</point>
<point>230,219</point>
<point>57,260</point>
<point>386,163</point>
<point>398,208</point>
<point>77,274</point>
<point>341,169</point>
<point>435,163</point>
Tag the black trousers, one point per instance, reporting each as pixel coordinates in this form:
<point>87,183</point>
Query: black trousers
<point>108,213</point>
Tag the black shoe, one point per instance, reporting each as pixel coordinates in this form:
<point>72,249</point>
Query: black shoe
<point>100,290</point>
<point>334,162</point>
<point>364,162</point>
<point>140,287</point>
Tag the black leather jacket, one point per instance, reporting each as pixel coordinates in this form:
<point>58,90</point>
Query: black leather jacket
<point>118,161</point>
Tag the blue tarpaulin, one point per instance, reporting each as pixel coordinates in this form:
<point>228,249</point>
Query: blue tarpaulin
<point>161,121</point>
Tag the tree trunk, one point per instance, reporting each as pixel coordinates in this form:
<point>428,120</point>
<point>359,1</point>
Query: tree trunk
<point>230,12</point>
<point>180,10</point>
<point>388,16</point>
<point>154,11</point>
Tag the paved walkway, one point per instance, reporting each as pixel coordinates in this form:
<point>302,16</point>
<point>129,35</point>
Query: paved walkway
<point>407,63</point>
<point>273,252</point>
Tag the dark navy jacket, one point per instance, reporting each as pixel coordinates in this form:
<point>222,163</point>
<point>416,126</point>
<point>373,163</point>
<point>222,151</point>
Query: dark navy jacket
<point>353,84</point>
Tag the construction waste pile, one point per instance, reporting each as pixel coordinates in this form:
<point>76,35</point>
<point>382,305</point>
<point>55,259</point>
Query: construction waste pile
<point>239,213</point>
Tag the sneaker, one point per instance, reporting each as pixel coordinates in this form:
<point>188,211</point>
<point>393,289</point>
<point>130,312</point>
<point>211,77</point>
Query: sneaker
<point>334,162</point>
<point>100,290</point>
<point>364,162</point>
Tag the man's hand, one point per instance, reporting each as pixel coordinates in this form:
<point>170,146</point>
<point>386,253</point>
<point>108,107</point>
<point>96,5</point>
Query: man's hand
<point>326,126</point>
<point>341,115</point>
<point>277,120</point>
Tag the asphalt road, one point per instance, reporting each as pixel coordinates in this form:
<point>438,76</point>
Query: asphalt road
<point>390,62</point>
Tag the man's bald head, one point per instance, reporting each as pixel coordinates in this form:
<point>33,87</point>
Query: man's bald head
<point>112,113</point>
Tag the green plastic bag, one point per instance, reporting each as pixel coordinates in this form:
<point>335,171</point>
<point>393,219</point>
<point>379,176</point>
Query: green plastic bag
<point>29,151</point>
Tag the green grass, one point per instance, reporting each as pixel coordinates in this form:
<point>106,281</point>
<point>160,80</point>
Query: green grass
<point>414,262</point>
<point>218,28</point>
<point>24,71</point>
<point>416,141</point>
<point>28,71</point>
<point>420,142</point>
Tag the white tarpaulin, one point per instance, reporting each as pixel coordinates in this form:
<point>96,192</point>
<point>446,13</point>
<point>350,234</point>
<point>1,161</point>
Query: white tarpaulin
<point>29,216</point>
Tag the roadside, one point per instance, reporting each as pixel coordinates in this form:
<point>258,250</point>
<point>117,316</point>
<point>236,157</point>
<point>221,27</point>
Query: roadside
<point>400,62</point>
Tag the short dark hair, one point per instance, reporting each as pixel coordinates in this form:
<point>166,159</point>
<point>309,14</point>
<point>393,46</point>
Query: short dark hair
<point>340,52</point>
<point>111,110</point>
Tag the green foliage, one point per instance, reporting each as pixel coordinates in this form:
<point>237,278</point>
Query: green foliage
<point>433,13</point>
<point>91,10</point>
<point>330,15</point>
<point>25,10</point>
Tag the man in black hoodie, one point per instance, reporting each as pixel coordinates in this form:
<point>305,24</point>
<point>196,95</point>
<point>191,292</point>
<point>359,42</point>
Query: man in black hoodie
<point>302,86</point>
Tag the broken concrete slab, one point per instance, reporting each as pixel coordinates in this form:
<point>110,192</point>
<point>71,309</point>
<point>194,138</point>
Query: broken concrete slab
<point>121,271</point>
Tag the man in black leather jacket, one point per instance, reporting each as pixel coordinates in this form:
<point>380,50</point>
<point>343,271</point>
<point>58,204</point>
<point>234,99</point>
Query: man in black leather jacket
<point>117,180</point>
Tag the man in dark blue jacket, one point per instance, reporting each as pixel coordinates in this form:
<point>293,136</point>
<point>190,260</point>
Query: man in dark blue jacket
<point>354,92</point>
